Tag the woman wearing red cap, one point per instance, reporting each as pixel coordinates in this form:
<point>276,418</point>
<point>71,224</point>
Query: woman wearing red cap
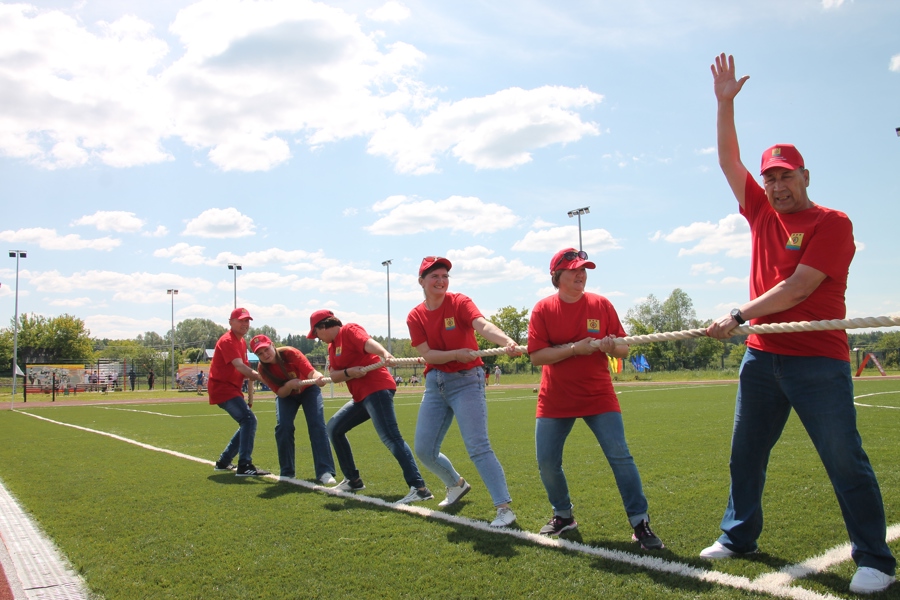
<point>442,330</point>
<point>575,383</point>
<point>282,369</point>
<point>349,349</point>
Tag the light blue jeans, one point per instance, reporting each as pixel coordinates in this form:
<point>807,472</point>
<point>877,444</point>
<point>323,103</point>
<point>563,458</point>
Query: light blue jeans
<point>379,407</point>
<point>313,409</point>
<point>550,437</point>
<point>459,395</point>
<point>242,441</point>
<point>820,390</point>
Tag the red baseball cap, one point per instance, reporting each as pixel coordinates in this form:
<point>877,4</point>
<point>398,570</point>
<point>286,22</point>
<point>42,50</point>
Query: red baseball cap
<point>259,341</point>
<point>319,315</point>
<point>570,258</point>
<point>430,261</point>
<point>781,155</point>
<point>240,314</point>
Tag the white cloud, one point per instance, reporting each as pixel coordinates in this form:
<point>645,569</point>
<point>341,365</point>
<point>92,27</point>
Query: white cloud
<point>389,11</point>
<point>456,213</point>
<point>48,239</point>
<point>160,231</point>
<point>71,302</point>
<point>490,132</point>
<point>735,280</point>
<point>220,223</point>
<point>183,253</point>
<point>112,220</point>
<point>895,63</point>
<point>706,268</point>
<point>142,288</point>
<point>476,265</point>
<point>265,280</point>
<point>831,4</point>
<point>556,238</point>
<point>710,150</point>
<point>730,235</point>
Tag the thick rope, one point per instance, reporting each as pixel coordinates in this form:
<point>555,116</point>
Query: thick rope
<point>672,336</point>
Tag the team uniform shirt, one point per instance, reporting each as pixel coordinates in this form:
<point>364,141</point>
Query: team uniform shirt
<point>348,349</point>
<point>448,327</point>
<point>296,363</point>
<point>817,237</point>
<point>225,382</point>
<point>579,386</point>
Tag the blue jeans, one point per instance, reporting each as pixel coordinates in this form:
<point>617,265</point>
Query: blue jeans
<point>242,441</point>
<point>379,407</point>
<point>285,413</point>
<point>550,437</point>
<point>461,395</point>
<point>820,390</point>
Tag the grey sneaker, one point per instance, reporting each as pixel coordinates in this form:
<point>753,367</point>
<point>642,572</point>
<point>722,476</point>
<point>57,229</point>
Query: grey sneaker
<point>455,493</point>
<point>557,525</point>
<point>224,466</point>
<point>350,486</point>
<point>415,495</point>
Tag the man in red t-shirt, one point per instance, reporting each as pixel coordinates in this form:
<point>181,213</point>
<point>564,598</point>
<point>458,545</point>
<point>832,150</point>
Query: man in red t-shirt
<point>801,255</point>
<point>350,348</point>
<point>283,370</point>
<point>227,372</point>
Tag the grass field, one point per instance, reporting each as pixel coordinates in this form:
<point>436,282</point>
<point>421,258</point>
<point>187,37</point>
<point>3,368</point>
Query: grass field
<point>139,523</point>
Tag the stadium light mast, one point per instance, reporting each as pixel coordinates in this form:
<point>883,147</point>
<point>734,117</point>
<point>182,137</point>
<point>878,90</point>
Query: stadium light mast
<point>173,293</point>
<point>387,264</point>
<point>578,212</point>
<point>234,267</point>
<point>17,254</point>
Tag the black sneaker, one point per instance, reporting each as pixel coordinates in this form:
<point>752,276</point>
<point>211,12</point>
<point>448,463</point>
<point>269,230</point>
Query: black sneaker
<point>224,466</point>
<point>646,537</point>
<point>557,525</point>
<point>248,470</point>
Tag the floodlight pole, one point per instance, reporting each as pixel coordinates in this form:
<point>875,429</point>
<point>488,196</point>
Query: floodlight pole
<point>17,254</point>
<point>173,293</point>
<point>578,212</point>
<point>234,267</point>
<point>387,264</point>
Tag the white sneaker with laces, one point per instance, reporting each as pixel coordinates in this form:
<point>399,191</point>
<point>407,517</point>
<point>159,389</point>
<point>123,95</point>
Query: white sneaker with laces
<point>505,516</point>
<point>455,493</point>
<point>327,479</point>
<point>717,550</point>
<point>867,580</point>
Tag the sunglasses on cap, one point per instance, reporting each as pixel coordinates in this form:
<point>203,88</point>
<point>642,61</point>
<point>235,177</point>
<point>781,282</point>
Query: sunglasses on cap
<point>572,255</point>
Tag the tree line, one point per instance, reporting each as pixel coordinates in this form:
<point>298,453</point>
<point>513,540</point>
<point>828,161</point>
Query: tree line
<point>65,339</point>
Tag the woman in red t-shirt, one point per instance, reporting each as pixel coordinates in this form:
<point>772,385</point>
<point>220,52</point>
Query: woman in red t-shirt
<point>442,330</point>
<point>575,384</point>
<point>283,369</point>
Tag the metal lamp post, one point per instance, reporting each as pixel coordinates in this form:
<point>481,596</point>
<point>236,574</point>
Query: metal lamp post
<point>234,267</point>
<point>387,264</point>
<point>17,254</point>
<point>578,212</point>
<point>173,293</point>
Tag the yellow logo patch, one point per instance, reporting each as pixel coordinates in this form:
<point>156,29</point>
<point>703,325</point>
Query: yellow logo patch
<point>449,323</point>
<point>794,241</point>
<point>593,325</point>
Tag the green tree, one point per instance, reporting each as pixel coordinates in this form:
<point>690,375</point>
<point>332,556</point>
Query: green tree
<point>264,330</point>
<point>198,334</point>
<point>62,338</point>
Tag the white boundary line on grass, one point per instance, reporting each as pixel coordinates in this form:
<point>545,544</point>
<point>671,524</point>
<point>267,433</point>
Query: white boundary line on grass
<point>776,584</point>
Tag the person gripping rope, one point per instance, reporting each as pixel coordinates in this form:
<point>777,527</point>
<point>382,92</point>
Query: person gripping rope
<point>801,254</point>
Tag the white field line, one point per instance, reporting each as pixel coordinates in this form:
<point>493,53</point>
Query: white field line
<point>775,584</point>
<point>875,405</point>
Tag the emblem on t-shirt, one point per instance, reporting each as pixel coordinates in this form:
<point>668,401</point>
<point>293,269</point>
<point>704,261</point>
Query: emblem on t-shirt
<point>449,323</point>
<point>794,241</point>
<point>337,351</point>
<point>593,325</point>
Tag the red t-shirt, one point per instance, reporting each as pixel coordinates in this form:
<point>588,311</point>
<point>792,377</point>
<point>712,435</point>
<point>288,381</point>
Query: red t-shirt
<point>298,367</point>
<point>225,381</point>
<point>579,386</point>
<point>448,327</point>
<point>348,350</point>
<point>817,237</point>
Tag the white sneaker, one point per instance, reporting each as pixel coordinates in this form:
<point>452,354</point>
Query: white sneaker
<point>868,581</point>
<point>328,479</point>
<point>717,550</point>
<point>455,493</point>
<point>505,516</point>
<point>415,495</point>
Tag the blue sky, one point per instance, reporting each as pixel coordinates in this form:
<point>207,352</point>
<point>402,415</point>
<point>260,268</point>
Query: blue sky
<point>146,145</point>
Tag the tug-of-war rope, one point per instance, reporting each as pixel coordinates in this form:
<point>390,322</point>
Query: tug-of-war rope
<point>671,336</point>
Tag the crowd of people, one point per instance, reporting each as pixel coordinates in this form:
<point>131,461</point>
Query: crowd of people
<point>801,254</point>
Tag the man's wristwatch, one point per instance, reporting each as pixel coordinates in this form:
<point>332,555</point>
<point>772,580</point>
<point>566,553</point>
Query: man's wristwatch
<point>737,316</point>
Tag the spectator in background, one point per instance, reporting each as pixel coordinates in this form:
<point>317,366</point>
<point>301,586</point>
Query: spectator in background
<point>151,377</point>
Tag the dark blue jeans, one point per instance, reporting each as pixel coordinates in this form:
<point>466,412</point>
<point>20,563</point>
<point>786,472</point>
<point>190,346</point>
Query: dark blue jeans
<point>286,409</point>
<point>242,441</point>
<point>820,390</point>
<point>379,407</point>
